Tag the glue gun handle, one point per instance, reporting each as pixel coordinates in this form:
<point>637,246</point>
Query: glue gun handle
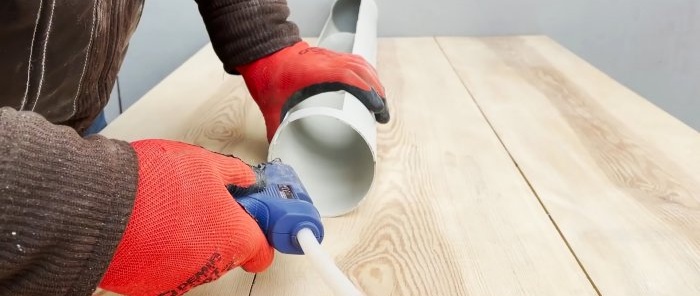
<point>257,209</point>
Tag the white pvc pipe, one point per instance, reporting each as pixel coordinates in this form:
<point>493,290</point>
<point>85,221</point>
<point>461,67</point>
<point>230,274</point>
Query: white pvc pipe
<point>324,265</point>
<point>330,139</point>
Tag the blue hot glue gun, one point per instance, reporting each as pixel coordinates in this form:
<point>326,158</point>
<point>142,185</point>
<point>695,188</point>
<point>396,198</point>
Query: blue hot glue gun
<point>283,208</point>
<point>285,213</point>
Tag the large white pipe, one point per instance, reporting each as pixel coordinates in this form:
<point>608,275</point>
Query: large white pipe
<point>330,139</point>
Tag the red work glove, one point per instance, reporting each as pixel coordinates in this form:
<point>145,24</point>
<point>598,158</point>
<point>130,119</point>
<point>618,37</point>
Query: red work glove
<point>283,79</point>
<point>185,228</point>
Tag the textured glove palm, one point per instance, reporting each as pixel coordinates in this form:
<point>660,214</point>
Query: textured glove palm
<point>185,228</point>
<point>283,79</point>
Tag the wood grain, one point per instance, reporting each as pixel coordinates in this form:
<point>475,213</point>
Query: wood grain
<point>449,214</point>
<point>620,177</point>
<point>200,104</point>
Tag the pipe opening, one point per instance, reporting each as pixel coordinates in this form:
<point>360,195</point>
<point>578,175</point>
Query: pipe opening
<point>345,14</point>
<point>333,161</point>
<point>340,33</point>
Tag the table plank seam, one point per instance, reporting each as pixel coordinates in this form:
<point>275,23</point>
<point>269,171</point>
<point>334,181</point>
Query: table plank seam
<point>520,171</point>
<point>252,284</point>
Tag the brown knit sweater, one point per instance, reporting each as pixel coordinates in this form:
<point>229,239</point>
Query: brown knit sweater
<point>64,199</point>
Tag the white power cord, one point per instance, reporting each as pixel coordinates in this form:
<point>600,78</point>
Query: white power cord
<point>325,266</point>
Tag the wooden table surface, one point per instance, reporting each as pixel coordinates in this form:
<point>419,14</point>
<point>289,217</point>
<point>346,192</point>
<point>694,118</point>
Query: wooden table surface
<point>511,167</point>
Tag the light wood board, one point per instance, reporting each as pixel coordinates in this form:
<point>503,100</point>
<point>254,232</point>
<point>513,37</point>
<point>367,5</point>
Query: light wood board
<point>450,213</point>
<point>620,177</point>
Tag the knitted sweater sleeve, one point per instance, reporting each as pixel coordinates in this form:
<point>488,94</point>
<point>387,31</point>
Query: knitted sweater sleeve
<point>242,31</point>
<point>64,204</point>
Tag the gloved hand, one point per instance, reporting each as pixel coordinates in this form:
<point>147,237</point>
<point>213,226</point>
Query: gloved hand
<point>185,228</point>
<point>283,79</point>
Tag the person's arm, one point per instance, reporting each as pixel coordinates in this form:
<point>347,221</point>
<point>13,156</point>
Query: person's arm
<point>254,38</point>
<point>242,31</point>
<point>64,204</point>
<point>141,218</point>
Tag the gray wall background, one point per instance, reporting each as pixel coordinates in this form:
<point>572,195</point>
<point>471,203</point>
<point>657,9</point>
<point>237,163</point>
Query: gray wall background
<point>651,46</point>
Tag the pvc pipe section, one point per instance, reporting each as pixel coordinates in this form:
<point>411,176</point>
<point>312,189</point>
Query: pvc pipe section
<point>324,265</point>
<point>330,139</point>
